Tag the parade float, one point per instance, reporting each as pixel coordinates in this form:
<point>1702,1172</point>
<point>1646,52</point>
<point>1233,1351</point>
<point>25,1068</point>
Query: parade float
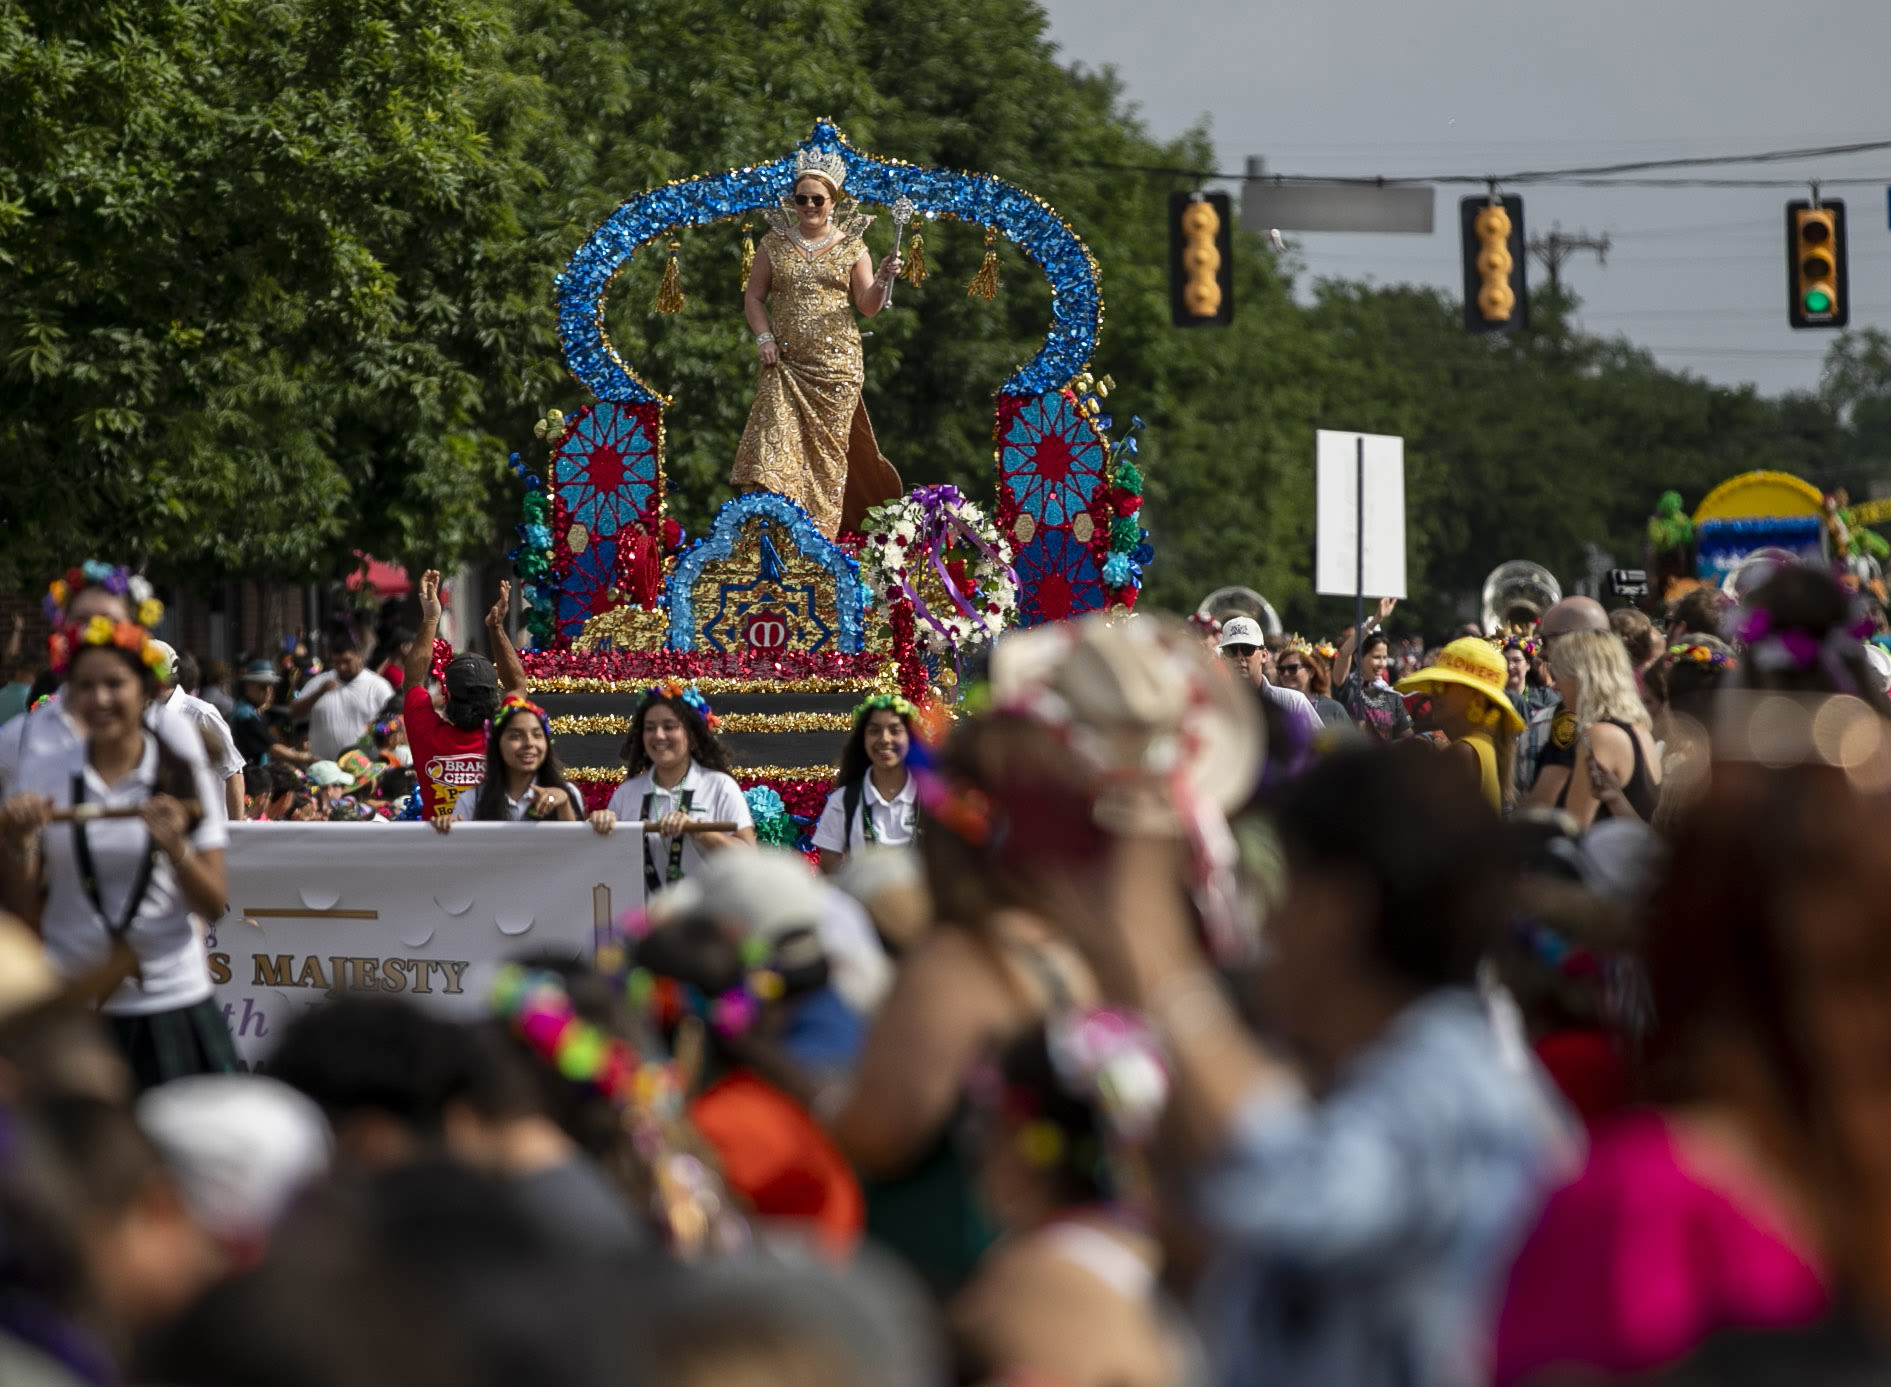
<point>1764,518</point>
<point>783,629</point>
<point>1757,515</point>
<point>1756,520</point>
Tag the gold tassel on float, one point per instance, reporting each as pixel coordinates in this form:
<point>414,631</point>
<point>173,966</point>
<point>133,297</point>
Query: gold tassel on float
<point>984,284</point>
<point>748,254</point>
<point>670,293</point>
<point>915,271</point>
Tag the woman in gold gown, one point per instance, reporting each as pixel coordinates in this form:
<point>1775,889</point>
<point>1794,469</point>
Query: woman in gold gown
<point>808,435</point>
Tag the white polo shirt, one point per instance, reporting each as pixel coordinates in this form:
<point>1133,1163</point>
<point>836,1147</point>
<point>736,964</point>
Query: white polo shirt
<point>219,743</point>
<point>339,719</point>
<point>894,820</point>
<point>171,958</point>
<point>714,797</point>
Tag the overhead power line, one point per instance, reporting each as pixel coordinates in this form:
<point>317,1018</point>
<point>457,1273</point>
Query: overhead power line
<point>1592,175</point>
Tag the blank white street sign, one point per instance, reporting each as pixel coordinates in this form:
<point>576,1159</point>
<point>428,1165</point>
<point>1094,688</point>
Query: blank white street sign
<point>1337,524</point>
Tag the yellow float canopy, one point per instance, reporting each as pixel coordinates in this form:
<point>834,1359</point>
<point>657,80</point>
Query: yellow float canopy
<point>1752,495</point>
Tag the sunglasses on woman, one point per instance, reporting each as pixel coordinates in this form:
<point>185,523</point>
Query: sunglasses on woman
<point>810,200</point>
<point>1293,669</point>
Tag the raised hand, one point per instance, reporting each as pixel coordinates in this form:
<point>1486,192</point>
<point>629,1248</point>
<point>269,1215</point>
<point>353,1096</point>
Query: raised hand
<point>430,595</point>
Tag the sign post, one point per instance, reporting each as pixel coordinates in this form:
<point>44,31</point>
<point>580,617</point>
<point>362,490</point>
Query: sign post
<point>1359,538</point>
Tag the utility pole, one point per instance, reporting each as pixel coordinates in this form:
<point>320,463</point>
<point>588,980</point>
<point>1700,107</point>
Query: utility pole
<point>1555,248</point>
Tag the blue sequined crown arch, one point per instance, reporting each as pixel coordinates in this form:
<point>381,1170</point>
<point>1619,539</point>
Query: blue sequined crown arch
<point>1027,221</point>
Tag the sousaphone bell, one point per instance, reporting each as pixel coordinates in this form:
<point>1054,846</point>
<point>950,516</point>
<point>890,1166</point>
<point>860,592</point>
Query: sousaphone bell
<point>1516,594</point>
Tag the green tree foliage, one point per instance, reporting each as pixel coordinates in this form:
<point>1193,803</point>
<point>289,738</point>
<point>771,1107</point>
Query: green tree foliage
<point>263,279</point>
<point>276,284</point>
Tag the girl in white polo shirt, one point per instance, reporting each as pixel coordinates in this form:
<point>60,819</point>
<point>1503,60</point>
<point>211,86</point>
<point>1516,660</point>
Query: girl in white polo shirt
<point>678,772</point>
<point>873,799</point>
<point>523,779</point>
<point>112,894</point>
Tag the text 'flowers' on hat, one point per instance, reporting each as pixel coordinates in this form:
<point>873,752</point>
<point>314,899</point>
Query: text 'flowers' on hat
<point>1471,662</point>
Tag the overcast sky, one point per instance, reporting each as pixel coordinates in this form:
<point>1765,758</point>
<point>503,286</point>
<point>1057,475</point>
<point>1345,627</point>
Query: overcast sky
<point>1428,87</point>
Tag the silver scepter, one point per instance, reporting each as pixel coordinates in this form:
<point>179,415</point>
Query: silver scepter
<point>902,210</point>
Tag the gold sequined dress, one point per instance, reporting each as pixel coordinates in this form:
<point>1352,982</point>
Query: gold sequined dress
<point>808,435</point>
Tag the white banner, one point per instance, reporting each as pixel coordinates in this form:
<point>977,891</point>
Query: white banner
<point>1339,529</point>
<point>317,910</point>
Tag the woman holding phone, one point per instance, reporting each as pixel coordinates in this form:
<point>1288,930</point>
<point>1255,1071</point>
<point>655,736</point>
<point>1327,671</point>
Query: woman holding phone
<point>523,780</point>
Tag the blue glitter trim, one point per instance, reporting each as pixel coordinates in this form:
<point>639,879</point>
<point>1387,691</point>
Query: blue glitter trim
<point>720,544</point>
<point>1027,221</point>
<point>1793,527</point>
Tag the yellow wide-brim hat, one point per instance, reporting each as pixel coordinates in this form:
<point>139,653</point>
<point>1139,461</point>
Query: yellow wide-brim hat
<point>1472,662</point>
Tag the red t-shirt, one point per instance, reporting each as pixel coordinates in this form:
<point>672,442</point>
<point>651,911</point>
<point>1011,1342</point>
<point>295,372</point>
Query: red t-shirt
<point>779,1157</point>
<point>447,761</point>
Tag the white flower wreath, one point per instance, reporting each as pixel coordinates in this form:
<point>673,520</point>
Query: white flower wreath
<point>903,538</point>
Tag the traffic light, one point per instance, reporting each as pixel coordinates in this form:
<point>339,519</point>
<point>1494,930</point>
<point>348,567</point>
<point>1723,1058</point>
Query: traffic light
<point>1815,264</point>
<point>1201,260</point>
<point>1496,293</point>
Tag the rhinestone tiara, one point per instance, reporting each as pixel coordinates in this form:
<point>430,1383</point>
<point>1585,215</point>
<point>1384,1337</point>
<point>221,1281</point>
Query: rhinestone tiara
<point>823,163</point>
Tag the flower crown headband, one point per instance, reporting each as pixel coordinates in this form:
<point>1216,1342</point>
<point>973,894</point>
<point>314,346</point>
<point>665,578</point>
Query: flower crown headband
<point>518,703</point>
<point>1108,1059</point>
<point>687,694</point>
<point>1777,648</point>
<point>1529,645</point>
<point>897,703</point>
<point>66,642</point>
<point>1701,655</point>
<point>666,1001</point>
<point>535,1006</point>
<point>116,579</point>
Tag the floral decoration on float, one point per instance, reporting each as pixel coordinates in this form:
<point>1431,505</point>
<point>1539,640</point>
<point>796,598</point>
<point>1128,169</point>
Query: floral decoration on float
<point>934,544</point>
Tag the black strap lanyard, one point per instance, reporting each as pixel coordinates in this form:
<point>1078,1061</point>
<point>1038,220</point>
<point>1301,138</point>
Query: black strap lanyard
<point>88,873</point>
<point>675,870</point>
<point>851,799</point>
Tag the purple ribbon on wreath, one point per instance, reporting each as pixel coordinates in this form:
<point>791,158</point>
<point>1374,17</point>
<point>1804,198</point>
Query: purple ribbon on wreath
<point>936,505</point>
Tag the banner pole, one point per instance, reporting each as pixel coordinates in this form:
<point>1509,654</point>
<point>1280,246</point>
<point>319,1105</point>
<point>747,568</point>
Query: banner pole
<point>1359,554</point>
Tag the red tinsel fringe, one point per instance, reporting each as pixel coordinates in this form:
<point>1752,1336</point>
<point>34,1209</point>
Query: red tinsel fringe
<point>906,655</point>
<point>650,666</point>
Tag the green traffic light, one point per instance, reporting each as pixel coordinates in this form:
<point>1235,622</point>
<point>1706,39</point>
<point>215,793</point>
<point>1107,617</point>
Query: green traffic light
<point>1818,301</point>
